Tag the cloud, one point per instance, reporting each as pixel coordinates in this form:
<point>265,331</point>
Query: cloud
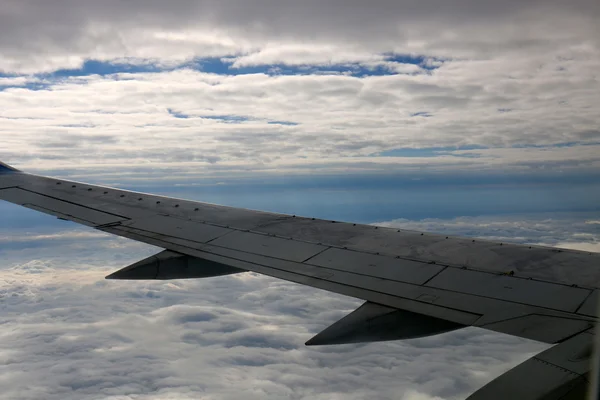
<point>71,32</point>
<point>568,230</point>
<point>336,122</point>
<point>90,339</point>
<point>350,80</point>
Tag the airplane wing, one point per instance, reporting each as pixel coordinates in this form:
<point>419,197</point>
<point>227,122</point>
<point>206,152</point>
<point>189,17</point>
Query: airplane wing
<point>414,284</point>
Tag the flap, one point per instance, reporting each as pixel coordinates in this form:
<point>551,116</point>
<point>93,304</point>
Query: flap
<point>560,372</point>
<point>172,265</point>
<point>373,322</point>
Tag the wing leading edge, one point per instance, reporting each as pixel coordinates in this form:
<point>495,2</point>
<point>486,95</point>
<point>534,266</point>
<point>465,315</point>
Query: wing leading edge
<point>413,283</point>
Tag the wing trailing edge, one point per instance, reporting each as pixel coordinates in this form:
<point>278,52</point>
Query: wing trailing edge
<point>560,373</point>
<point>171,265</point>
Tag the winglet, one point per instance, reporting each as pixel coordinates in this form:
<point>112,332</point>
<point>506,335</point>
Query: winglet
<point>4,169</point>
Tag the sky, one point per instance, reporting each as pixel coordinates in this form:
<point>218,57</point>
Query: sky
<point>466,117</point>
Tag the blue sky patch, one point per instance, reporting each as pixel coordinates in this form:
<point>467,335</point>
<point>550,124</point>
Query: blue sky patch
<point>233,119</point>
<point>89,67</point>
<point>41,85</point>
<point>177,114</point>
<point>422,114</point>
<point>288,123</point>
<point>368,197</point>
<point>225,118</point>
<point>428,63</point>
<point>425,152</point>
<point>440,151</point>
<point>103,68</point>
<point>224,66</point>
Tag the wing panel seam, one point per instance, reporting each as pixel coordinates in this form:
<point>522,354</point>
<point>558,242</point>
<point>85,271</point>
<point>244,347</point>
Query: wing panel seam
<point>357,274</point>
<point>219,237</point>
<point>557,366</point>
<point>583,302</point>
<point>314,255</point>
<point>434,275</point>
<point>161,242</point>
<point>73,203</point>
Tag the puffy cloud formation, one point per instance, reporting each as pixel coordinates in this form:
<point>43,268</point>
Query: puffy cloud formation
<point>313,86</point>
<point>69,334</point>
<point>191,119</point>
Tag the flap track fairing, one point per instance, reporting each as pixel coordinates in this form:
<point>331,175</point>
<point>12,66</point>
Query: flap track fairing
<point>373,322</point>
<point>171,265</point>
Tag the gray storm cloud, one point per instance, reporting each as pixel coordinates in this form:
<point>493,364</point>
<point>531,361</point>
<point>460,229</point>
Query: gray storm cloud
<point>46,35</point>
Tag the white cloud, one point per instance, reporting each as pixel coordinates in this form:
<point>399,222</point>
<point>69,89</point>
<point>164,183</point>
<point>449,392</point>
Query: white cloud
<point>341,120</point>
<point>31,237</point>
<point>567,230</point>
<point>14,81</point>
<point>583,246</point>
<point>73,335</point>
<point>515,73</point>
<point>304,54</point>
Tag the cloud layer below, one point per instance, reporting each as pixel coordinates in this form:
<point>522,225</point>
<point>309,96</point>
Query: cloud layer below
<point>67,333</point>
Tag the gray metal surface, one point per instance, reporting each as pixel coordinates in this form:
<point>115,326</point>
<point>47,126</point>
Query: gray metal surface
<point>519,290</point>
<point>375,322</point>
<point>297,272</point>
<point>269,246</point>
<point>551,264</point>
<point>170,265</point>
<point>559,373</point>
<point>175,227</point>
<point>8,180</point>
<point>540,327</point>
<point>456,307</point>
<point>59,208</point>
<point>377,266</point>
<point>590,306</point>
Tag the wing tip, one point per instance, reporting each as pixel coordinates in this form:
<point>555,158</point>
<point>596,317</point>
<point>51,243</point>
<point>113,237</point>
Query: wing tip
<point>5,168</point>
